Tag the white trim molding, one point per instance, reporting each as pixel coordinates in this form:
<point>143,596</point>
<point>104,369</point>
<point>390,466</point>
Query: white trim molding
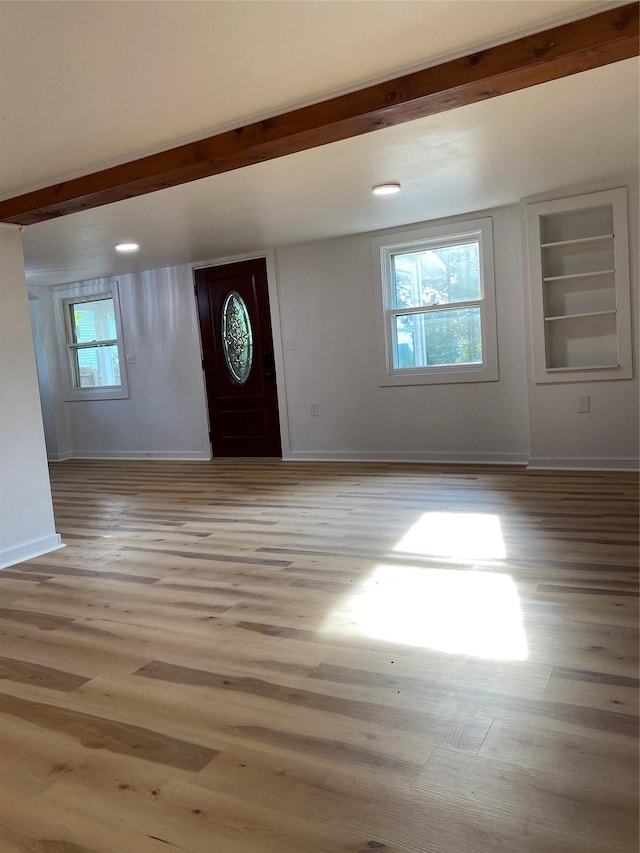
<point>384,248</point>
<point>29,550</point>
<point>428,458</point>
<point>65,296</point>
<point>59,457</point>
<point>141,455</point>
<point>568,463</point>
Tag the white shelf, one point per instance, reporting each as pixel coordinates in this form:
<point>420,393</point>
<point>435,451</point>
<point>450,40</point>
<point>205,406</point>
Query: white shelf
<point>590,274</point>
<point>579,288</point>
<point>577,242</point>
<point>585,367</point>
<point>576,316</point>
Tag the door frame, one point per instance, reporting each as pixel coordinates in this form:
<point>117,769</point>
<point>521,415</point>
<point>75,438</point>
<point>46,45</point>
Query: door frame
<point>276,330</point>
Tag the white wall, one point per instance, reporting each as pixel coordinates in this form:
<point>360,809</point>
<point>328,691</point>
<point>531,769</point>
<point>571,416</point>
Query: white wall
<point>326,305</point>
<point>326,300</point>
<point>54,412</point>
<point>165,415</point>
<point>27,527</point>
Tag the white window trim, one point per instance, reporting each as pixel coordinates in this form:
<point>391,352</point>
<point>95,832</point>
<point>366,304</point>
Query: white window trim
<point>386,245</point>
<point>87,291</point>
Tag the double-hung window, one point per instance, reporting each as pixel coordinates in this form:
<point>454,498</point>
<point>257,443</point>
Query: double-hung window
<point>90,337</point>
<point>435,299</point>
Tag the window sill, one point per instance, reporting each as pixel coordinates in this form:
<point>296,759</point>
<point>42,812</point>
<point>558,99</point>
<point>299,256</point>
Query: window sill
<point>94,394</point>
<point>439,376</point>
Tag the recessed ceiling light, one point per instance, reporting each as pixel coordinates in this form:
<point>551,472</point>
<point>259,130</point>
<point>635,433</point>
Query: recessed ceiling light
<point>127,247</point>
<point>386,189</point>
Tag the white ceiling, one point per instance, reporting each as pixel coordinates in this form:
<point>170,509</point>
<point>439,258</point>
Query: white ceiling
<point>85,85</point>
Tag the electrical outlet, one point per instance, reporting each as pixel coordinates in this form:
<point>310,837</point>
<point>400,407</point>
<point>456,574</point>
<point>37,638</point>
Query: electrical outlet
<point>315,409</point>
<point>289,343</point>
<point>131,359</point>
<point>583,404</point>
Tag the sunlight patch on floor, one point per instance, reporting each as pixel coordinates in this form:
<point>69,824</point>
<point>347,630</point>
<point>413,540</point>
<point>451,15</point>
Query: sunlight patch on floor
<point>457,535</point>
<point>456,611</point>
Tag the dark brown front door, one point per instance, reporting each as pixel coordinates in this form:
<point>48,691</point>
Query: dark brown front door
<point>237,347</point>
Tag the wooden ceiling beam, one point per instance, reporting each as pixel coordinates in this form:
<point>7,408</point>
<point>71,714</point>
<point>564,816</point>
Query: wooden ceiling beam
<point>588,43</point>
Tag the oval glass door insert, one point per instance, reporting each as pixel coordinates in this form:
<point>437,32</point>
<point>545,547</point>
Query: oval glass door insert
<point>237,338</point>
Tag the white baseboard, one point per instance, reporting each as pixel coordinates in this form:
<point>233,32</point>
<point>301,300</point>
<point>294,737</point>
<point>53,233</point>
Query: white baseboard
<point>433,458</point>
<point>29,550</point>
<point>566,463</point>
<point>436,458</point>
<point>142,455</point>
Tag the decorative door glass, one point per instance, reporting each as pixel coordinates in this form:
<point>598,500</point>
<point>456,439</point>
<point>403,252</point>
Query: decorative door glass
<point>237,338</point>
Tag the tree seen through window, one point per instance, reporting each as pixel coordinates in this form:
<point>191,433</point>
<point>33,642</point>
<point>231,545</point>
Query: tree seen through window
<point>431,280</point>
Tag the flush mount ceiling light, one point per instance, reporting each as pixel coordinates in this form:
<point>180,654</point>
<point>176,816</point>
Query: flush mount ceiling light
<point>127,247</point>
<point>386,189</point>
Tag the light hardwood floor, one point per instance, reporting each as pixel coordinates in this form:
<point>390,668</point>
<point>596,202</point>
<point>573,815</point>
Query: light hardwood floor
<point>246,657</point>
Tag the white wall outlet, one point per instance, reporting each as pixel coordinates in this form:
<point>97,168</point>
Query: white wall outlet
<point>314,409</point>
<point>289,343</point>
<point>583,404</point>
<point>131,359</point>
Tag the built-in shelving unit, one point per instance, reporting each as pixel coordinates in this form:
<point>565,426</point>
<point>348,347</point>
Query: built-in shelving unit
<point>579,287</point>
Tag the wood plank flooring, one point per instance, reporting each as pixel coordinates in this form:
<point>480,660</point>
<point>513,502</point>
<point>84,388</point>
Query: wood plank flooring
<point>267,657</point>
